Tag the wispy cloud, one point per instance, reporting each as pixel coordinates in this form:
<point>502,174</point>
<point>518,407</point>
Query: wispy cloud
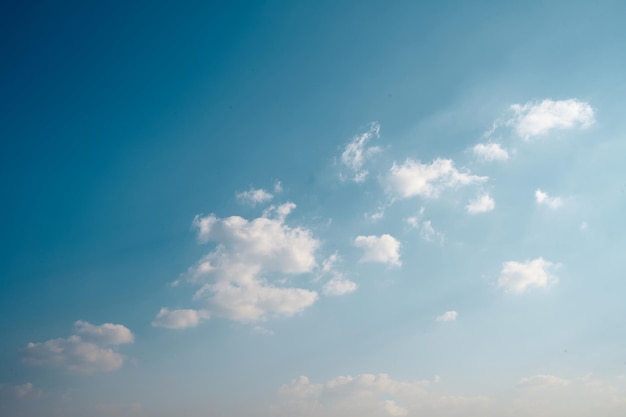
<point>357,153</point>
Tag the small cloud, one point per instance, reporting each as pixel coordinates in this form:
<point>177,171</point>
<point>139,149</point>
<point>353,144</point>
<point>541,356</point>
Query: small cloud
<point>429,234</point>
<point>543,199</point>
<point>383,249</point>
<point>517,277</point>
<point>356,152</point>
<point>448,316</point>
<point>278,187</point>
<point>179,319</point>
<point>260,330</point>
<point>537,119</point>
<point>393,409</point>
<point>82,356</point>
<point>481,204</point>
<point>583,226</point>
<point>412,178</point>
<point>490,152</point>
<point>377,215</point>
<point>255,196</point>
<point>339,285</point>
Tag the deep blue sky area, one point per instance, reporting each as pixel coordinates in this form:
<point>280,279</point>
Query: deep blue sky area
<point>330,208</point>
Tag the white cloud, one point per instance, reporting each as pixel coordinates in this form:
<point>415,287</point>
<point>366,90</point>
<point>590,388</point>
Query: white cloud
<point>536,119</point>
<point>517,277</point>
<point>235,276</point>
<point>356,153</point>
<point>413,178</point>
<point>79,356</point>
<point>255,195</point>
<point>105,334</point>
<point>490,152</point>
<point>278,187</point>
<point>481,204</point>
<point>179,319</point>
<point>384,249</point>
<point>448,316</point>
<point>543,199</point>
<point>339,285</point>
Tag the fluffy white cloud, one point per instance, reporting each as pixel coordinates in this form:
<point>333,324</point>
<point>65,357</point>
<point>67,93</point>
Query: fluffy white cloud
<point>394,409</point>
<point>256,195</point>
<point>490,152</point>
<point>79,356</point>
<point>412,178</point>
<point>481,204</point>
<point>356,153</point>
<point>179,319</point>
<point>448,316</point>
<point>339,285</point>
<point>543,199</point>
<point>235,276</point>
<point>105,334</point>
<point>517,277</point>
<point>384,249</point>
<point>536,119</point>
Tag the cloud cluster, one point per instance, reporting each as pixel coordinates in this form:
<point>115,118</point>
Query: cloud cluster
<point>369,395</point>
<point>239,278</point>
<point>89,351</point>
<point>517,277</point>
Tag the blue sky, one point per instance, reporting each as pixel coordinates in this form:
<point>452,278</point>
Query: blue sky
<point>312,209</point>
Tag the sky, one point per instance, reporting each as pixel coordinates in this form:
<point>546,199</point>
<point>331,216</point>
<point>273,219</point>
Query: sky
<point>306,209</point>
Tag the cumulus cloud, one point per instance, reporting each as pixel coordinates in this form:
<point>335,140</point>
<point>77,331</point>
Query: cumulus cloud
<point>238,278</point>
<point>481,204</point>
<point>517,277</point>
<point>383,249</point>
<point>448,316</point>
<point>179,319</point>
<point>430,234</point>
<point>490,152</point>
<point>539,118</point>
<point>543,199</point>
<point>412,178</point>
<point>77,355</point>
<point>356,153</point>
<point>257,195</point>
<point>104,334</point>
